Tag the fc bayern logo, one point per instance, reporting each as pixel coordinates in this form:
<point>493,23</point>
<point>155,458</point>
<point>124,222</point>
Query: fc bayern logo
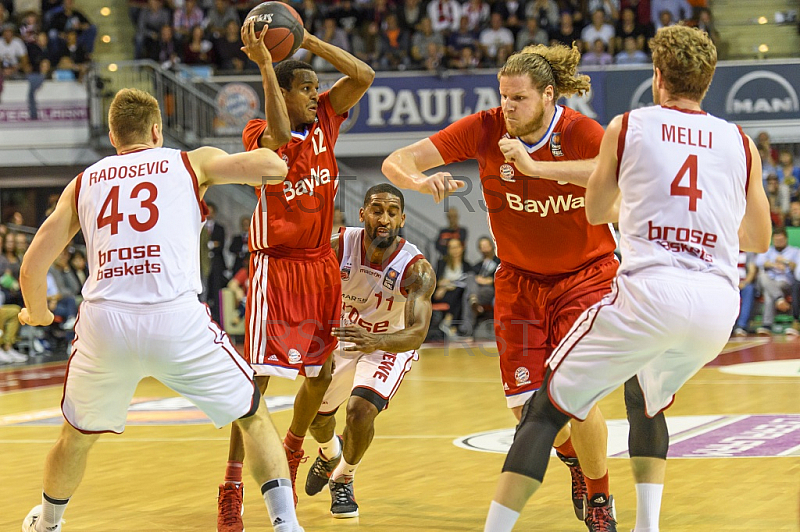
<point>237,103</point>
<point>521,375</point>
<point>294,356</point>
<point>507,172</point>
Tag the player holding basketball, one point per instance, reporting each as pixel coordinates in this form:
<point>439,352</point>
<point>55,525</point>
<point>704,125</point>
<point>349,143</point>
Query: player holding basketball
<point>141,213</point>
<point>295,289</point>
<point>386,311</point>
<point>540,288</point>
<point>691,198</point>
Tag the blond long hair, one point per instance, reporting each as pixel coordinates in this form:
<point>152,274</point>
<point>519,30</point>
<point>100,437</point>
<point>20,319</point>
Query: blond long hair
<point>686,58</point>
<point>554,65</point>
<point>131,116</point>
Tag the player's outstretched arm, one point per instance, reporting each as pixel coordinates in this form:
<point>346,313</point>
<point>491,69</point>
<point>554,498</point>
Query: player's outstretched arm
<point>756,227</point>
<point>405,167</point>
<point>421,282</point>
<point>279,129</point>
<point>257,167</point>
<point>602,190</point>
<point>358,75</point>
<point>51,238</point>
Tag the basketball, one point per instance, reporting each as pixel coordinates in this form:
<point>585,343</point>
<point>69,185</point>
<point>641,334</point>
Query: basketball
<point>285,28</point>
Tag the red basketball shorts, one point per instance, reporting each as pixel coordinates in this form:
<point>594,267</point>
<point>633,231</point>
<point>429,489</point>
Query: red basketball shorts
<point>533,313</point>
<point>294,301</point>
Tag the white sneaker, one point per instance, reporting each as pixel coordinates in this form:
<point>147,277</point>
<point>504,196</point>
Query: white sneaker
<point>29,523</point>
<point>5,358</point>
<point>16,355</point>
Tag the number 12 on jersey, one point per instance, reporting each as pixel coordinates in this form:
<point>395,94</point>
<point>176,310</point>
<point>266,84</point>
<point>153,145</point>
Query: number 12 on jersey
<point>692,192</point>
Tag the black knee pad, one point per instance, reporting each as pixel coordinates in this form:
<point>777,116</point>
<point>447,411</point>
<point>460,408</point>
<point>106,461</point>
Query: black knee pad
<point>256,402</point>
<point>537,429</point>
<point>648,436</point>
<point>369,395</point>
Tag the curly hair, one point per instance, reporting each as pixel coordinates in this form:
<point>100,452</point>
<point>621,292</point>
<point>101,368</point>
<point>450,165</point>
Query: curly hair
<point>554,65</point>
<point>686,58</point>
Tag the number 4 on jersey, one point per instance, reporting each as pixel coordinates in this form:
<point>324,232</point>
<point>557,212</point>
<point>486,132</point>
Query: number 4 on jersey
<point>114,218</point>
<point>692,192</point>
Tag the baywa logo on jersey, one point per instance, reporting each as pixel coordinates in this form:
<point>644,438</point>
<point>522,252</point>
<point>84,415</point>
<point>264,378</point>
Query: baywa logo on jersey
<point>507,172</point>
<point>761,91</point>
<point>391,279</point>
<point>345,273</point>
<point>555,144</point>
<point>294,356</point>
<point>522,376</point>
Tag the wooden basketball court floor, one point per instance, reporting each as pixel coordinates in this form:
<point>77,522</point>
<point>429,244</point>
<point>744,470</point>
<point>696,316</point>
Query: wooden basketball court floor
<point>737,445</point>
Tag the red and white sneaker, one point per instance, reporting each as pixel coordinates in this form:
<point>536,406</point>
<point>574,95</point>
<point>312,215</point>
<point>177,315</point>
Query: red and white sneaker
<point>295,458</point>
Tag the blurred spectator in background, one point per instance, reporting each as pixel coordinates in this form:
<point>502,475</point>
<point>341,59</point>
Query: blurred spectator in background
<point>477,13</point>
<point>531,33</point>
<point>763,142</point>
<point>66,280</point>
<point>678,10</point>
<point>348,16</point>
<point>642,9</point>
<point>778,196</point>
<point>566,33</point>
<point>199,50</point>
<point>545,12</point>
<point>238,247</point>
<point>368,45</point>
<point>597,56</point>
<point>451,281</point>
<point>216,274</point>
<point>480,286</point>
<point>21,244</point>
<point>776,278</point>
<point>793,218</point>
<point>13,53</point>
<point>433,58</point>
<point>628,27</point>
<point>228,50</point>
<point>610,8</point>
<point>467,60</point>
<point>703,20</point>
<point>747,291</point>
<point>66,19</point>
<point>240,285</point>
<point>165,51</point>
<point>187,17</point>
<point>80,270</point>
<point>767,163</point>
<point>72,55</point>
<point>453,230</point>
<point>151,20</point>
<point>394,44</point>
<point>497,41</point>
<point>41,60</point>
<point>311,15</point>
<point>221,14</point>
<point>598,29</point>
<point>630,54</point>
<point>9,327</point>
<point>330,33</point>
<point>9,270</point>
<point>463,38</point>
<point>420,40</point>
<point>788,173</point>
<point>410,14</point>
<point>512,13</point>
<point>380,10</point>
<point>664,19</point>
<point>338,220</point>
<point>444,15</point>
<point>29,27</point>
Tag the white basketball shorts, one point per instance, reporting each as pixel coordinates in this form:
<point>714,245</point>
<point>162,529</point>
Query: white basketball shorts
<point>117,345</point>
<point>379,371</point>
<point>660,324</point>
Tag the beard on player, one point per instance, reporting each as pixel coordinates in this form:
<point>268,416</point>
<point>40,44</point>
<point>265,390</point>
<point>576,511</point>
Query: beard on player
<point>515,129</point>
<point>382,237</point>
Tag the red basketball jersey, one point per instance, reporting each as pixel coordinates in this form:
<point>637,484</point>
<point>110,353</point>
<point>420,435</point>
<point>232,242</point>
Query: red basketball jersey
<point>299,212</point>
<point>538,225</point>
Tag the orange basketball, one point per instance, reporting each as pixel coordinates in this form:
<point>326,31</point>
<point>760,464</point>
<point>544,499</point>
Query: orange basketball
<point>285,28</point>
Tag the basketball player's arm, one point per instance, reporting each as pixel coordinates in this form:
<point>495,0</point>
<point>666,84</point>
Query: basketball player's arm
<point>335,243</point>
<point>602,190</point>
<point>50,240</point>
<point>405,167</point>
<point>575,172</point>
<point>418,310</point>
<point>755,230</point>
<point>358,75</point>
<point>279,129</point>
<point>216,167</point>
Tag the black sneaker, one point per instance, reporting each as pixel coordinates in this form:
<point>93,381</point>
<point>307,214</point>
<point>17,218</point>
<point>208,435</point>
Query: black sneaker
<point>578,485</point>
<point>600,514</point>
<point>343,502</point>
<point>320,472</point>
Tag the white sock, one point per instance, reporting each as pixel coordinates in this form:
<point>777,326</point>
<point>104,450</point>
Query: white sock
<point>280,505</point>
<point>500,518</point>
<point>52,512</point>
<point>331,449</point>
<point>344,472</point>
<point>648,507</point>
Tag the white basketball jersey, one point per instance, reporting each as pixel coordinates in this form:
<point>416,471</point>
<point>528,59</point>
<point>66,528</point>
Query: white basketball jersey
<point>141,217</point>
<point>373,296</point>
<point>683,178</point>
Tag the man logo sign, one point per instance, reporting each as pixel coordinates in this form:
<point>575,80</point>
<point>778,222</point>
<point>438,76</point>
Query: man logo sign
<point>761,91</point>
